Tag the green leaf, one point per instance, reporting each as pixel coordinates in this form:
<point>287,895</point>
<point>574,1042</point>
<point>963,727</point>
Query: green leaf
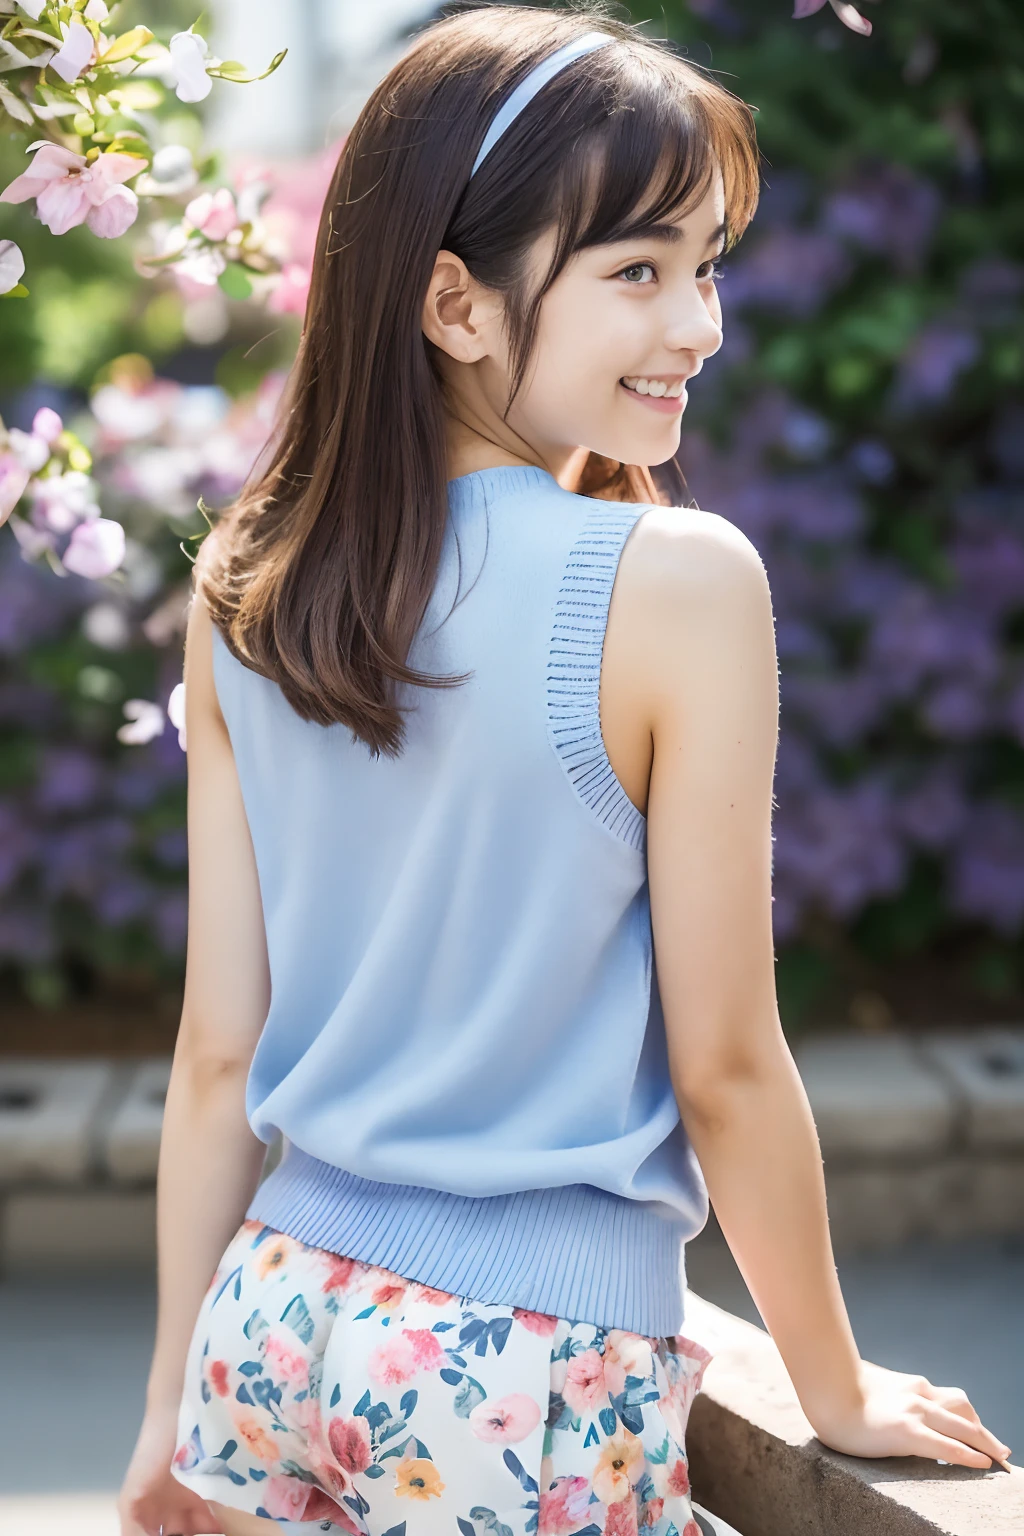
<point>124,46</point>
<point>19,291</point>
<point>234,282</point>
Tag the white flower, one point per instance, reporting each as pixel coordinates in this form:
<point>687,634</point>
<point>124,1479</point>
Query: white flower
<point>60,502</point>
<point>176,712</point>
<point>74,53</point>
<point>12,265</point>
<point>96,10</point>
<point>106,625</point>
<point>146,722</point>
<point>95,548</point>
<point>30,450</point>
<point>33,8</point>
<point>189,58</point>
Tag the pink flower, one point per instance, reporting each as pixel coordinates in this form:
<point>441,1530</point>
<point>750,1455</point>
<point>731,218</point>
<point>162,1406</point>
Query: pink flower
<point>848,15</point>
<point>340,1273</point>
<point>426,1349</point>
<point>621,1518</point>
<point>214,213</point>
<point>564,1507</point>
<point>393,1363</point>
<point>320,1506</point>
<point>427,1293</point>
<point>13,480</point>
<point>285,1362</point>
<point>285,1498</point>
<point>70,190</point>
<point>389,1292</point>
<point>95,548</point>
<point>678,1478</point>
<point>12,265</point>
<point>349,1440</point>
<point>625,1354</point>
<point>541,1323</point>
<point>47,425</point>
<point>290,291</point>
<point>653,1511</point>
<point>218,1375</point>
<point>584,1388</point>
<point>75,52</point>
<point>507,1421</point>
<point>691,1528</point>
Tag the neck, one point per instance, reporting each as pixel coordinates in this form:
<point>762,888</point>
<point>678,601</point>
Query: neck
<point>469,449</point>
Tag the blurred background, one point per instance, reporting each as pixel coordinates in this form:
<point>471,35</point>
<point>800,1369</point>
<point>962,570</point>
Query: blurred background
<point>863,424</point>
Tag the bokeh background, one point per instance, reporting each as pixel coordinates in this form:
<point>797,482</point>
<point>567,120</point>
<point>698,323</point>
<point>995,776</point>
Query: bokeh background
<point>864,424</point>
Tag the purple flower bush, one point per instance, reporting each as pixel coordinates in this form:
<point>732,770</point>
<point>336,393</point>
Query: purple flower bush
<point>863,425</point>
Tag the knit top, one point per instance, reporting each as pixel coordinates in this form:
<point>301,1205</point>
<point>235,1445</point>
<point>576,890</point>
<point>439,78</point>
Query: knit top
<point>465,1053</point>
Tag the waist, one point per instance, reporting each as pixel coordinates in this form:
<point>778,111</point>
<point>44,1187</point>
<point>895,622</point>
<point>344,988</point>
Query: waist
<point>574,1251</point>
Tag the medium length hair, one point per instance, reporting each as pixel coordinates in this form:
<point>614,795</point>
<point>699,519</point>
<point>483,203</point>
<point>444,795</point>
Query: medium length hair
<point>320,574</point>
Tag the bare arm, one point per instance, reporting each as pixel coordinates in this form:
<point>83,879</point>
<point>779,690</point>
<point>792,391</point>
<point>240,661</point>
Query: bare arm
<point>210,1161</point>
<point>693,628</point>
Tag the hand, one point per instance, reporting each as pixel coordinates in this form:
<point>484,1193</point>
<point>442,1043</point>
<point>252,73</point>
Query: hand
<point>900,1415</point>
<point>150,1497</point>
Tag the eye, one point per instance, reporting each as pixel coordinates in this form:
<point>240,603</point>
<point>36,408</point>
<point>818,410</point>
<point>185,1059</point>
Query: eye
<point>709,271</point>
<point>628,273</point>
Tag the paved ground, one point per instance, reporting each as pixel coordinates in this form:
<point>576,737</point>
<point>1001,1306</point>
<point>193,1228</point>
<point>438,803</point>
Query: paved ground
<point>75,1354</point>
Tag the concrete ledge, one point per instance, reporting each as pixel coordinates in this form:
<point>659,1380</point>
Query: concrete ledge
<point>755,1461</point>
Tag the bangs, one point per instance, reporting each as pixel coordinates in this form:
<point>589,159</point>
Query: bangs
<point>670,132</point>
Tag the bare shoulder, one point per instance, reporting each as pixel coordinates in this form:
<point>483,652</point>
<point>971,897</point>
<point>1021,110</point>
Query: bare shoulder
<point>682,557</point>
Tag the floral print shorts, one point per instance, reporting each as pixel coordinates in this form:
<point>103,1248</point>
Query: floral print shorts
<point>327,1394</point>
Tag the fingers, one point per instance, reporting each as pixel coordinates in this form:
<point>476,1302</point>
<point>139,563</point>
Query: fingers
<point>938,1447</point>
<point>969,1432</point>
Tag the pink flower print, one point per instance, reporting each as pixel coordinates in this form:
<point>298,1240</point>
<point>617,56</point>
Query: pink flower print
<point>389,1293</point>
<point>320,1506</point>
<point>691,1528</point>
<point>428,1294</point>
<point>506,1421</point>
<point>285,1498</point>
<point>217,1373</point>
<point>69,189</point>
<point>340,1273</point>
<point>621,1518</point>
<point>564,1506</point>
<point>349,1440</point>
<point>426,1349</point>
<point>393,1363</point>
<point>625,1354</point>
<point>214,213</point>
<point>584,1388</point>
<point>653,1510</point>
<point>678,1478</point>
<point>285,1363</point>
<point>541,1323</point>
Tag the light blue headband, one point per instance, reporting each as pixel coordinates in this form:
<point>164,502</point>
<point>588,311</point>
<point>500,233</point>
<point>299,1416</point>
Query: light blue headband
<point>535,81</point>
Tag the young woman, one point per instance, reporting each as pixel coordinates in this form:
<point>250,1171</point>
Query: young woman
<point>478,726</point>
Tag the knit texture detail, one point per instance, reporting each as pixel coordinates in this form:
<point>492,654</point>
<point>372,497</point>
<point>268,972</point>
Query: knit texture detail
<point>574,671</point>
<point>574,1251</point>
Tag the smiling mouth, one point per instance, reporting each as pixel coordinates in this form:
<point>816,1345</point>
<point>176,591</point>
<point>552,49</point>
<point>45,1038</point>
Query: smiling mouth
<point>668,398</point>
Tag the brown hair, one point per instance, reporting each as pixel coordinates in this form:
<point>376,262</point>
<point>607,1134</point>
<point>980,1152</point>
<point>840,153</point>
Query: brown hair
<point>320,574</point>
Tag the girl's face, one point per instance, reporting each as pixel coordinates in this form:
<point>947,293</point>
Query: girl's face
<point>621,331</point>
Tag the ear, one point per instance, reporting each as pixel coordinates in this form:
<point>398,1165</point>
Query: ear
<point>452,310</point>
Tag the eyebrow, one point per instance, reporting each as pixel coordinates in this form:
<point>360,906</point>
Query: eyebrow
<point>670,234</point>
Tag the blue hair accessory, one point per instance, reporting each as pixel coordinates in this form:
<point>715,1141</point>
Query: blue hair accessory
<point>535,81</point>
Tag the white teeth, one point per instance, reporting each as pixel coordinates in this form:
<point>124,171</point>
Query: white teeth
<point>655,387</point>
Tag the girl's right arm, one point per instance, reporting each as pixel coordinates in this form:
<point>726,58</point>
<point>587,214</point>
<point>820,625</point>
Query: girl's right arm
<point>210,1161</point>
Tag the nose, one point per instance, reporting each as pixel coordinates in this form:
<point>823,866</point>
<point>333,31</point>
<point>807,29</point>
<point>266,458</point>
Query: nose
<point>695,327</point>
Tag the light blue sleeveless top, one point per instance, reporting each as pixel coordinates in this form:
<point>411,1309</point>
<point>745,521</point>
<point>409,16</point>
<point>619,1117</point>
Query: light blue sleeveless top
<point>465,1052</point>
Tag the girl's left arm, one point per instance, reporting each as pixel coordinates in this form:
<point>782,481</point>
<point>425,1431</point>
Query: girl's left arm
<point>692,597</point>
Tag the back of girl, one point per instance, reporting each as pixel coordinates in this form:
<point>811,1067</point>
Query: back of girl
<point>482,734</point>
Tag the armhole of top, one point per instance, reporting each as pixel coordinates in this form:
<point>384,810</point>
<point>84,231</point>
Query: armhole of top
<point>574,669</point>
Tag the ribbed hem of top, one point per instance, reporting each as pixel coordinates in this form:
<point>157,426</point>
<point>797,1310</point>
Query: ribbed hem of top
<point>575,1252</point>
